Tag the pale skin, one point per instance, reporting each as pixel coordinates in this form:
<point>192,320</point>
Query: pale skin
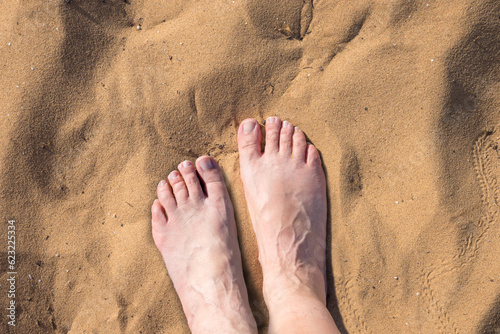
<point>194,229</point>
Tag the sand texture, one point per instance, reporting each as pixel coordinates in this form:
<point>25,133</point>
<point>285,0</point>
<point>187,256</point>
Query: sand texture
<point>102,99</point>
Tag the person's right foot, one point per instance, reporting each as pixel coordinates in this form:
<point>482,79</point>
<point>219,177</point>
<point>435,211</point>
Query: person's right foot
<point>285,189</point>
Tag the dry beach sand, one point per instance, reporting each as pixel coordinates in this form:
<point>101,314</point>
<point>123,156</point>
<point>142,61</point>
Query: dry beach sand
<point>102,99</point>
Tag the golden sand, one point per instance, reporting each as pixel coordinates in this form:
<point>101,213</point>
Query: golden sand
<point>102,99</point>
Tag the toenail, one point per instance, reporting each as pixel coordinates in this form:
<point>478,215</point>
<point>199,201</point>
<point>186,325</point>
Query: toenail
<point>271,119</point>
<point>297,129</point>
<point>187,163</point>
<point>249,126</point>
<point>207,164</point>
<point>174,174</point>
<point>162,183</point>
<point>286,124</point>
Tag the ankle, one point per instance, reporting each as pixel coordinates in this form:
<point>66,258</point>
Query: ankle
<point>223,321</point>
<point>297,307</point>
<point>307,312</point>
<point>280,290</point>
<point>304,280</point>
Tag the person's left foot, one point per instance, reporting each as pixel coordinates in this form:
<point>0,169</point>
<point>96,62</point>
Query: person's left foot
<point>195,232</point>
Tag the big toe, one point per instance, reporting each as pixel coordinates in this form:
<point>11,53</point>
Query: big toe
<point>249,140</point>
<point>212,178</point>
<point>313,157</point>
<point>158,222</point>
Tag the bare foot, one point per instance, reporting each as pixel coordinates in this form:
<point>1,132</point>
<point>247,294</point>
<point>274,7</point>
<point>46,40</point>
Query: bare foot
<point>196,234</point>
<point>285,189</point>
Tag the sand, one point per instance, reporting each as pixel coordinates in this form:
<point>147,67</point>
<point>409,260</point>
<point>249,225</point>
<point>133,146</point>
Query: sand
<point>102,99</point>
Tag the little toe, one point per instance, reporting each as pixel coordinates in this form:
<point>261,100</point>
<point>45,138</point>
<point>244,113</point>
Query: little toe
<point>191,179</point>
<point>178,186</point>
<point>212,177</point>
<point>299,145</point>
<point>313,158</point>
<point>165,196</point>
<point>286,138</point>
<point>158,222</point>
<point>273,127</point>
<point>249,140</point>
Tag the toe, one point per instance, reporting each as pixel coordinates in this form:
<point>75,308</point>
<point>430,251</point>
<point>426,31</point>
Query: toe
<point>273,127</point>
<point>313,158</point>
<point>211,176</point>
<point>165,196</point>
<point>178,186</point>
<point>299,145</point>
<point>286,138</point>
<point>191,179</point>
<point>249,140</point>
<point>158,222</point>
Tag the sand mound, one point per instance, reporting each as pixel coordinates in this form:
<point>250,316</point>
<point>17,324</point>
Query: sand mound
<point>101,99</point>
